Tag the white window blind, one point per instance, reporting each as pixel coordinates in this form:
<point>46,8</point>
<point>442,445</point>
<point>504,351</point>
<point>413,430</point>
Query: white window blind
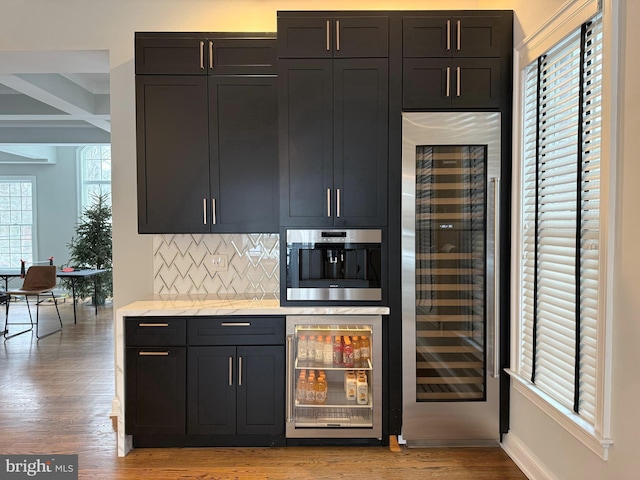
<point>560,213</point>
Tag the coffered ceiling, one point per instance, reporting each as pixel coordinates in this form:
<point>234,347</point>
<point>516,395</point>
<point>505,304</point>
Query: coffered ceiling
<point>50,98</point>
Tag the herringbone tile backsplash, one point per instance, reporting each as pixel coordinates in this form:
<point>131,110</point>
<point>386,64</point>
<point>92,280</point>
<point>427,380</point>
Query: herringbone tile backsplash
<point>184,264</point>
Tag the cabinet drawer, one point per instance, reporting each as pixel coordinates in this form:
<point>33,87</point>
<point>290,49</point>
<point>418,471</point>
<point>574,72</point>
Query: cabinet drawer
<point>155,331</point>
<point>236,330</point>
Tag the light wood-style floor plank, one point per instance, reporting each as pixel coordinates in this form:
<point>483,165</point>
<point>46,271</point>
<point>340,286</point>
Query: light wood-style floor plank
<point>55,397</point>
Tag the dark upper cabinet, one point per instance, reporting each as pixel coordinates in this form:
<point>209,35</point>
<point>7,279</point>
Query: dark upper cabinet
<point>208,145</point>
<point>433,83</point>
<point>333,142</point>
<point>325,36</point>
<point>457,36</point>
<point>201,55</point>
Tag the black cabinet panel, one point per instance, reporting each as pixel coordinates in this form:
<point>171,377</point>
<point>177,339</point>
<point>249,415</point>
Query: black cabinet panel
<point>212,390</point>
<point>173,153</point>
<point>260,392</point>
<point>155,385</point>
<point>154,331</point>
<point>457,36</point>
<point>242,56</point>
<point>360,151</point>
<point>306,141</point>
<point>172,56</point>
<point>328,36</point>
<point>244,159</point>
<point>236,330</point>
<point>437,83</point>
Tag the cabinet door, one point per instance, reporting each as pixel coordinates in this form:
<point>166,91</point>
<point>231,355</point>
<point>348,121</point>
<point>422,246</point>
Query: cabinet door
<point>173,154</point>
<point>155,390</point>
<point>361,122</point>
<point>261,396</point>
<point>476,83</point>
<point>211,394</point>
<point>325,37</point>
<point>477,36</point>
<point>426,37</point>
<point>306,126</point>
<point>426,83</point>
<point>244,153</point>
<point>242,56</point>
<point>305,37</point>
<point>360,37</point>
<point>172,56</point>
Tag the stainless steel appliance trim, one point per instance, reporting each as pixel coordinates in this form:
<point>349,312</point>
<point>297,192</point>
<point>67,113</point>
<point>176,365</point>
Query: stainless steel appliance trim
<point>153,354</point>
<point>202,55</point>
<point>350,236</point>
<point>346,294</point>
<point>290,377</point>
<point>443,422</point>
<point>153,324</point>
<point>495,366</point>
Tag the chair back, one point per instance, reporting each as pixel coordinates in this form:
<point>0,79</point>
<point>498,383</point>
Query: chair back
<point>40,278</point>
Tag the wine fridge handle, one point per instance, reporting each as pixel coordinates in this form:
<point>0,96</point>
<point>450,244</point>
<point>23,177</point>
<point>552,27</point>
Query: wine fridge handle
<point>290,372</point>
<point>496,277</point>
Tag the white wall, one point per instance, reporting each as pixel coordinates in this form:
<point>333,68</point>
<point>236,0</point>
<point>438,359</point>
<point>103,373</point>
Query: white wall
<point>92,24</point>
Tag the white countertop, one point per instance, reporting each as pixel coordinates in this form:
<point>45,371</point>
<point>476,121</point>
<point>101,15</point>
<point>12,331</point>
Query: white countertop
<point>236,304</point>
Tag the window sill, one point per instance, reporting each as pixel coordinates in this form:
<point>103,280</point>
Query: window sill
<point>563,416</point>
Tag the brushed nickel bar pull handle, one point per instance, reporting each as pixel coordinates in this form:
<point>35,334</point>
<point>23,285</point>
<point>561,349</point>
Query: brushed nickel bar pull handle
<point>458,81</point>
<point>211,55</point>
<point>204,211</point>
<point>328,202</point>
<point>202,55</point>
<point>239,371</point>
<point>153,324</point>
<point>230,371</point>
<point>289,391</point>
<point>448,80</point>
<point>448,35</point>
<point>153,354</point>
<point>458,32</point>
<point>495,373</point>
<point>338,35</point>
<point>338,202</point>
<point>213,211</point>
<point>328,36</point>
<point>238,324</point>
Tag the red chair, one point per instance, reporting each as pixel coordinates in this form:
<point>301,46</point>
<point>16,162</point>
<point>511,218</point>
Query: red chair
<point>39,280</point>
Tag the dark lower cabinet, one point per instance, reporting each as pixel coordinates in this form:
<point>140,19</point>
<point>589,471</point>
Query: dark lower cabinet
<point>236,390</point>
<point>156,385</point>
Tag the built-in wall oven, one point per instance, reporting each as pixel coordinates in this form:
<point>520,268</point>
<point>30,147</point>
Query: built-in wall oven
<point>333,265</point>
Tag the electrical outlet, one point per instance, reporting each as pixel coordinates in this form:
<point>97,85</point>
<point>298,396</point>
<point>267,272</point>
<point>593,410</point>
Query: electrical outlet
<point>220,263</point>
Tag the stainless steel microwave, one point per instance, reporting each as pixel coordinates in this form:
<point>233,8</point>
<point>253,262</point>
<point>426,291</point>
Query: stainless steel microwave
<point>333,265</point>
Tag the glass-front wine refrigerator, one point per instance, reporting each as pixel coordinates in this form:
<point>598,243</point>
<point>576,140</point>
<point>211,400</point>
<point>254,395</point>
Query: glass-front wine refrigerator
<point>334,376</point>
<point>450,203</point>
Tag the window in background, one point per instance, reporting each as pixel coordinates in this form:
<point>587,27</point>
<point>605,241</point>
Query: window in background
<point>560,245</point>
<point>16,221</point>
<point>95,173</point>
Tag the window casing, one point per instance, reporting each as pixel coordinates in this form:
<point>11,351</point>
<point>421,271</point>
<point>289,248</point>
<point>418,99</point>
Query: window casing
<point>95,173</point>
<point>559,346</point>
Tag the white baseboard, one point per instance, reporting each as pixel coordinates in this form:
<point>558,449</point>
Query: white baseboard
<point>530,465</point>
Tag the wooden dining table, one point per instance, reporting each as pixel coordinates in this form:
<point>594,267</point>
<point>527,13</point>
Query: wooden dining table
<point>8,273</point>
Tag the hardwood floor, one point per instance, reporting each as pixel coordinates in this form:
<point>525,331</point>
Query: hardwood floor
<point>55,397</point>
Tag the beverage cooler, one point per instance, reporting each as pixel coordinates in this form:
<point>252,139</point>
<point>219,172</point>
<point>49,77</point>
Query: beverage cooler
<point>334,376</point>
